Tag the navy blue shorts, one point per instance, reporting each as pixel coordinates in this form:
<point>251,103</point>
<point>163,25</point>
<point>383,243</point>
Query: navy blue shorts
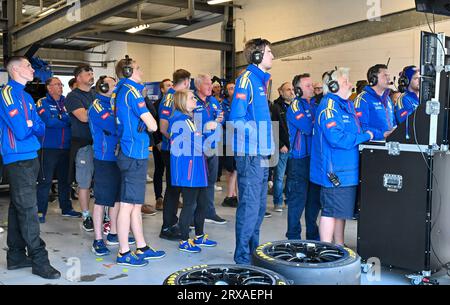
<point>338,202</point>
<point>133,179</point>
<point>106,183</point>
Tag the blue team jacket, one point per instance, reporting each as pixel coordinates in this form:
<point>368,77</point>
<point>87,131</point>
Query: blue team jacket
<point>187,161</point>
<point>376,113</point>
<point>406,104</point>
<point>300,117</point>
<point>57,123</point>
<point>103,128</point>
<point>130,106</point>
<point>205,112</point>
<point>165,111</point>
<point>250,114</point>
<point>18,141</point>
<point>337,134</point>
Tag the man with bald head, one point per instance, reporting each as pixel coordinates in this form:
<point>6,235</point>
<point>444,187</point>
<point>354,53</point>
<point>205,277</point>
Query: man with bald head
<point>279,109</point>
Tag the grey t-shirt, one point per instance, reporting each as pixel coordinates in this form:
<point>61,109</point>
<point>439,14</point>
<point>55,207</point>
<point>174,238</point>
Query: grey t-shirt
<point>75,100</point>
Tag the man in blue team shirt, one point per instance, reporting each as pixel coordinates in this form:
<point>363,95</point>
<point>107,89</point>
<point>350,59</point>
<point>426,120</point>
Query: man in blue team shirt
<point>134,121</point>
<point>408,102</point>
<point>106,171</point>
<point>209,109</point>
<point>301,194</point>
<point>251,118</point>
<point>335,156</point>
<point>20,127</point>
<point>55,150</point>
<point>169,230</point>
<point>374,107</point>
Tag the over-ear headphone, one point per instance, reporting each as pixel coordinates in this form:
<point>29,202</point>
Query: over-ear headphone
<point>297,89</point>
<point>103,86</point>
<point>403,80</point>
<point>127,69</point>
<point>333,85</point>
<point>258,55</point>
<point>372,76</point>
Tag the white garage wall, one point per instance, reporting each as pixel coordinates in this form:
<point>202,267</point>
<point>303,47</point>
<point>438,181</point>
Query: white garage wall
<point>403,47</point>
<point>115,51</point>
<point>159,62</point>
<point>284,19</point>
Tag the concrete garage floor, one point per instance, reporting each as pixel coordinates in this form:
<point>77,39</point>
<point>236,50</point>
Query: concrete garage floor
<point>68,244</point>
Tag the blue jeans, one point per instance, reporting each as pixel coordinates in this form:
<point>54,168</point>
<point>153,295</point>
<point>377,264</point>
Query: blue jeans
<point>54,160</point>
<point>301,194</point>
<point>278,178</point>
<point>252,183</point>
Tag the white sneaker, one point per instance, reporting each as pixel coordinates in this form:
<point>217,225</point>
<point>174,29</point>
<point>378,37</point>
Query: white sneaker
<point>270,183</point>
<point>217,188</point>
<point>1,230</point>
<point>278,209</point>
<point>149,179</point>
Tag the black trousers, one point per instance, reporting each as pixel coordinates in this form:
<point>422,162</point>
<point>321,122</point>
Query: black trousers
<point>171,196</point>
<point>23,223</point>
<point>54,160</point>
<point>159,172</point>
<point>195,205</point>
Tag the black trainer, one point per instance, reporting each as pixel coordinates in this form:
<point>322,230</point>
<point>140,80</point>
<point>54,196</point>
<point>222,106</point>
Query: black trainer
<point>216,220</point>
<point>88,224</point>
<point>230,202</point>
<point>47,272</point>
<point>24,264</point>
<point>170,234</point>
<point>267,215</point>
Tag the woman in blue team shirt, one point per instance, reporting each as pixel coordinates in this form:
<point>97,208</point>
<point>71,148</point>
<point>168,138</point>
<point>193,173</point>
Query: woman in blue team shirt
<point>189,170</point>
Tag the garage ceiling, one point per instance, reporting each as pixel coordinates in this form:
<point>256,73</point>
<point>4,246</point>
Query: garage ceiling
<point>164,18</point>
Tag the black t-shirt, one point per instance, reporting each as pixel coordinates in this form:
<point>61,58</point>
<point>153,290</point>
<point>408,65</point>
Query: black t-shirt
<point>75,100</point>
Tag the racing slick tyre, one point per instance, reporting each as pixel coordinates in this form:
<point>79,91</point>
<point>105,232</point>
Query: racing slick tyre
<point>310,262</point>
<point>225,275</point>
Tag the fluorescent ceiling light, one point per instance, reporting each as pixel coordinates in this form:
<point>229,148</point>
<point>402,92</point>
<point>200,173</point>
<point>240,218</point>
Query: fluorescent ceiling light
<point>211,2</point>
<point>47,12</point>
<point>138,28</point>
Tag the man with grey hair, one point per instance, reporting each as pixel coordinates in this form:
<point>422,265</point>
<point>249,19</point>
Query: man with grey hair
<point>20,127</point>
<point>335,156</point>
<point>209,109</point>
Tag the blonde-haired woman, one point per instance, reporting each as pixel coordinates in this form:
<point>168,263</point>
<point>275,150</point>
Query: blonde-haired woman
<point>189,171</point>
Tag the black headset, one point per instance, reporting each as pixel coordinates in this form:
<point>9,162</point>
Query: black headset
<point>403,80</point>
<point>333,85</point>
<point>258,55</point>
<point>297,89</point>
<point>372,76</point>
<point>127,69</point>
<point>103,86</point>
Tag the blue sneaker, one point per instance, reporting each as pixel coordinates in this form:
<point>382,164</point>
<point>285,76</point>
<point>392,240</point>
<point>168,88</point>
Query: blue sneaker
<point>130,259</point>
<point>99,248</point>
<point>150,253</point>
<point>113,240</point>
<point>41,218</point>
<point>189,246</point>
<point>203,241</point>
<point>72,214</point>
